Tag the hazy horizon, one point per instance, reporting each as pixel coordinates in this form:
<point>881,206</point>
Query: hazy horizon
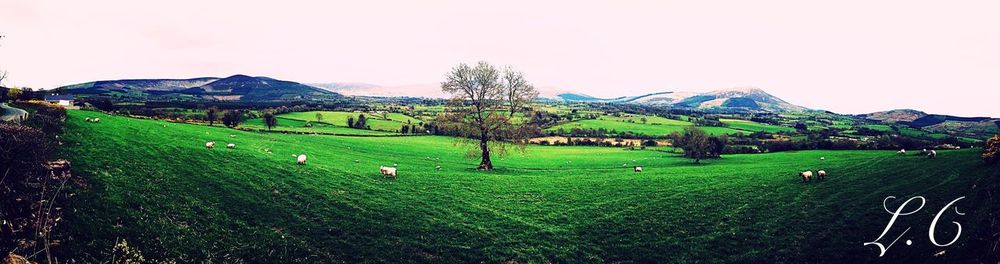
<point>846,56</point>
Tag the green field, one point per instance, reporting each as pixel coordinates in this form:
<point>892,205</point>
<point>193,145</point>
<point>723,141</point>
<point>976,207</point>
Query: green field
<point>156,185</point>
<point>755,127</point>
<point>293,125</point>
<point>654,126</point>
<point>392,123</point>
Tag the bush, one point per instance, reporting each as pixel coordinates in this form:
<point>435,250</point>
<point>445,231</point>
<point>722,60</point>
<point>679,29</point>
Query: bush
<point>991,152</point>
<point>27,185</point>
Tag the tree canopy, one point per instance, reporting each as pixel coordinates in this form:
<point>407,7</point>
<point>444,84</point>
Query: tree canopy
<point>485,100</point>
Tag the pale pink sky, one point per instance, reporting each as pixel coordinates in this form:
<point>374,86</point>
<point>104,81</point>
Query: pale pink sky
<point>844,56</point>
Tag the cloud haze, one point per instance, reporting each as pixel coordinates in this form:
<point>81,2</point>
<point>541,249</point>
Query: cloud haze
<point>843,56</point>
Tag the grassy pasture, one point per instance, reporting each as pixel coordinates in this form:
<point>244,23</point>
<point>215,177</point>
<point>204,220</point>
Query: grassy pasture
<point>748,125</point>
<point>393,123</point>
<point>653,126</point>
<point>154,184</point>
<point>284,124</point>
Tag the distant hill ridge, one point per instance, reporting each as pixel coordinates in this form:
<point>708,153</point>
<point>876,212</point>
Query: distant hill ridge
<point>237,87</point>
<point>746,98</point>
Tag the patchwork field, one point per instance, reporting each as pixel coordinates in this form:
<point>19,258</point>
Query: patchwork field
<point>390,122</point>
<point>293,125</point>
<point>155,184</point>
<point>654,126</point>
<point>747,125</point>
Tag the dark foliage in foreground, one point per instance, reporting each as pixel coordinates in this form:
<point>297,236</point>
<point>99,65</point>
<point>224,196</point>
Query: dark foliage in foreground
<point>30,184</point>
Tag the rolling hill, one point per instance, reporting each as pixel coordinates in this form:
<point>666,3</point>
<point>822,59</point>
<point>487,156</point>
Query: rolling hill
<point>232,88</point>
<point>897,115</point>
<point>976,127</point>
<point>750,99</point>
<point>155,185</point>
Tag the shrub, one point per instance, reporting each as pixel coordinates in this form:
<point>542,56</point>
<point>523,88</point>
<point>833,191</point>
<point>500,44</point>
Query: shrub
<point>991,152</point>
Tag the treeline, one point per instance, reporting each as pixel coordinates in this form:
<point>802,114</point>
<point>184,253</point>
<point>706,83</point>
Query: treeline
<point>617,142</point>
<point>599,133</point>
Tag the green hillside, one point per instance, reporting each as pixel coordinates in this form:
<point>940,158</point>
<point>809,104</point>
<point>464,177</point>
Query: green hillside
<point>654,126</point>
<point>155,184</point>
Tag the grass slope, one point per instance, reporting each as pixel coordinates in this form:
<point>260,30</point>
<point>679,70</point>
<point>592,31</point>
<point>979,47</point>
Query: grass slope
<point>653,126</point>
<point>394,121</point>
<point>160,189</point>
<point>748,125</point>
<point>293,125</point>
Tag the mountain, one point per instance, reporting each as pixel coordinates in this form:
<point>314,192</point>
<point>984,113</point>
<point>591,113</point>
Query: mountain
<point>577,97</point>
<point>897,115</point>
<point>739,98</point>
<point>429,90</point>
<point>343,87</point>
<point>752,99</point>
<point>232,88</point>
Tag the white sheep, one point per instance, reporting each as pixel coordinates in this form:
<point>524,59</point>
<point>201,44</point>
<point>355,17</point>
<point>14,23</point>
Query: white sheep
<point>231,145</point>
<point>932,155</point>
<point>437,167</point>
<point>210,144</point>
<point>301,159</point>
<point>87,119</point>
<point>387,171</point>
<point>806,175</point>
<point>901,152</point>
<point>232,136</point>
<point>97,120</point>
<point>822,158</point>
<point>637,169</point>
<point>821,174</point>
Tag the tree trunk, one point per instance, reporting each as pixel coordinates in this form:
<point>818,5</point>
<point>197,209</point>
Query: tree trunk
<point>486,164</point>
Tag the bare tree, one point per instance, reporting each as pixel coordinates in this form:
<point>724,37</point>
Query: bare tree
<point>484,102</point>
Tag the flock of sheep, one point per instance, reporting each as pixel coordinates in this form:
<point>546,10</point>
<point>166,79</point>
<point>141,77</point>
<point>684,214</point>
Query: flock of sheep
<point>808,175</point>
<point>930,154</point>
<point>387,171</point>
<point>92,120</point>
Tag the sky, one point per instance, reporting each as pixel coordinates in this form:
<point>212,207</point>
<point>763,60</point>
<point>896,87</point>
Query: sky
<point>843,56</point>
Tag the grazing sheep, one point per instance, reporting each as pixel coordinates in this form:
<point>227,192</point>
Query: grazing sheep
<point>437,167</point>
<point>387,171</point>
<point>901,152</point>
<point>97,120</point>
<point>301,159</point>
<point>637,169</point>
<point>356,161</point>
<point>932,155</point>
<point>231,145</point>
<point>232,136</point>
<point>822,158</point>
<point>806,175</point>
<point>87,119</point>
<point>820,174</point>
<point>210,144</point>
